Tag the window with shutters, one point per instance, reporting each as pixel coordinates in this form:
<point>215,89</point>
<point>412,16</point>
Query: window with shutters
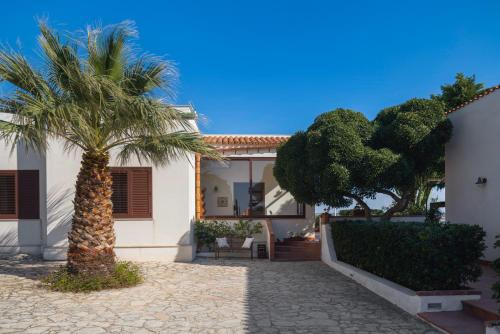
<point>8,196</point>
<point>19,194</point>
<point>132,192</point>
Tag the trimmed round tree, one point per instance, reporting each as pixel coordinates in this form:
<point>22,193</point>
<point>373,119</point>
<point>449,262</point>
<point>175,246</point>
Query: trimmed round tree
<point>95,95</point>
<point>417,131</point>
<point>327,163</point>
<point>344,157</point>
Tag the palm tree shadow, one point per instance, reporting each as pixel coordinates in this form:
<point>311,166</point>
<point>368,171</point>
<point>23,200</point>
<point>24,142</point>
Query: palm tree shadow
<point>59,215</point>
<point>33,267</point>
<point>26,266</point>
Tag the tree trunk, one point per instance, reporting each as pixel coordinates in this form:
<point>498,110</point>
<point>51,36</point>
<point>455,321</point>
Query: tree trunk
<point>366,208</point>
<point>400,205</point>
<point>92,236</point>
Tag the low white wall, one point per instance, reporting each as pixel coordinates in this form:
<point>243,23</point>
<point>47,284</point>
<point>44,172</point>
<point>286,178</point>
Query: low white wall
<point>283,226</point>
<point>402,297</point>
<point>165,253</point>
<point>418,219</point>
<point>20,236</point>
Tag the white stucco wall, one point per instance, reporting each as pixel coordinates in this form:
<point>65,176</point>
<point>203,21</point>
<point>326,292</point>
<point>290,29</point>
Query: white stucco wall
<point>167,236</point>
<point>20,235</point>
<point>283,226</point>
<point>473,152</point>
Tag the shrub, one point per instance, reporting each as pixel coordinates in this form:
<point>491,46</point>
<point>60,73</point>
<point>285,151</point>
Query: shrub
<point>419,256</point>
<point>496,267</point>
<point>245,228</point>
<point>125,274</point>
<point>206,231</point>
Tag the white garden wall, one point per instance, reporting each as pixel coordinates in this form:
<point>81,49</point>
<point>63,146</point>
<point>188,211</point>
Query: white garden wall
<point>406,299</point>
<point>418,219</point>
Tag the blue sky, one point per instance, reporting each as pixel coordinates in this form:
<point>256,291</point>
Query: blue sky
<point>272,66</point>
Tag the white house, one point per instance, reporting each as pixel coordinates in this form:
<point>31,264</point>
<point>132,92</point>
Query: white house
<point>154,208</point>
<point>473,166</point>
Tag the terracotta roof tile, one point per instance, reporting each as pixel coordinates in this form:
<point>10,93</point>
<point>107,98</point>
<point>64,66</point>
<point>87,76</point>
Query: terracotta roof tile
<point>475,98</point>
<point>231,142</point>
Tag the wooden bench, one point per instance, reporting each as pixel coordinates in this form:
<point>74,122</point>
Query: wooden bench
<point>234,246</point>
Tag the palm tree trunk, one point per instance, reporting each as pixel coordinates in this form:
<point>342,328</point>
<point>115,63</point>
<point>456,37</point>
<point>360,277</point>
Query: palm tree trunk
<point>92,236</point>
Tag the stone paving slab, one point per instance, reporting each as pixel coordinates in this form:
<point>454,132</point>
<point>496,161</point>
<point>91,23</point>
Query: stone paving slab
<point>206,296</point>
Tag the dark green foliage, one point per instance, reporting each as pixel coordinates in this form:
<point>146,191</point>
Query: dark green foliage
<point>350,212</point>
<point>344,157</point>
<point>419,256</point>
<point>462,90</point>
<point>323,164</point>
<point>292,170</point>
<point>416,129</point>
<point>126,274</point>
<point>496,267</point>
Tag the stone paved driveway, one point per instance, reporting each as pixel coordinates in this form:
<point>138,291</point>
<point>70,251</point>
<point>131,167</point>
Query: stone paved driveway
<point>207,296</point>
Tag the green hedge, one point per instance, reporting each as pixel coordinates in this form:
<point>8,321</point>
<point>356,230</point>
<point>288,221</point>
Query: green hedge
<point>419,256</point>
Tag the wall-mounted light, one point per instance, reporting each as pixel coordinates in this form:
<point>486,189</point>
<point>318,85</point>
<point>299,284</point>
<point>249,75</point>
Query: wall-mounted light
<point>481,180</point>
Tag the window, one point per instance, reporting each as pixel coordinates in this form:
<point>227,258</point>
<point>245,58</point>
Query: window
<point>249,200</point>
<point>132,192</point>
<point>19,194</point>
<point>8,202</point>
<point>245,187</point>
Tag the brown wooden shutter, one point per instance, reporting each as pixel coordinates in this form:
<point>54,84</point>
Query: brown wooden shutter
<point>141,192</point>
<point>120,192</point>
<point>132,192</point>
<point>8,196</point>
<point>28,194</point>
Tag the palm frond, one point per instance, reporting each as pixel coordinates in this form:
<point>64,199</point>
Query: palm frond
<point>160,150</point>
<point>148,73</point>
<point>15,69</point>
<point>64,67</point>
<point>13,134</point>
<point>107,51</point>
<point>99,102</point>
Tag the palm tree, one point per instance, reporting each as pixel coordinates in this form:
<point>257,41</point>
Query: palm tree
<point>96,95</point>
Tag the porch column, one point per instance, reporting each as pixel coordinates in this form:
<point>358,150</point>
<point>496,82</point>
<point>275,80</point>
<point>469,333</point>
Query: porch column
<point>198,201</point>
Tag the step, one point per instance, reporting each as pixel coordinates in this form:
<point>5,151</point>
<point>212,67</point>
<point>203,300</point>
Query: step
<point>309,253</point>
<point>305,254</point>
<point>296,248</point>
<point>295,256</point>
<point>454,322</point>
<point>294,259</point>
<point>298,243</point>
<point>486,310</point>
